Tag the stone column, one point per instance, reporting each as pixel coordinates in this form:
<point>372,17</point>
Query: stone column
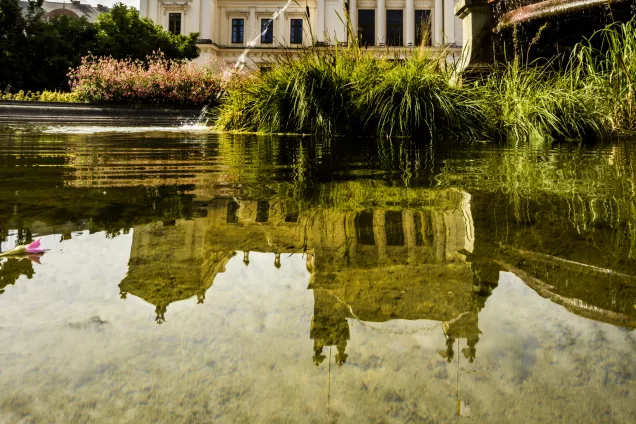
<point>449,22</point>
<point>254,27</point>
<point>381,17</point>
<point>206,16</point>
<point>320,21</point>
<point>225,38</point>
<point>409,40</point>
<point>438,24</point>
<point>214,30</point>
<point>408,226</point>
<point>379,233</point>
<point>353,15</point>
<point>477,25</point>
<point>283,34</point>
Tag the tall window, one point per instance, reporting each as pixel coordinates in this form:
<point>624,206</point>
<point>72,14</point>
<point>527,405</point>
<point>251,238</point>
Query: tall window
<point>423,27</point>
<point>174,23</point>
<point>366,27</point>
<point>237,30</point>
<point>394,229</point>
<point>267,31</point>
<point>364,228</point>
<point>296,35</point>
<point>394,27</point>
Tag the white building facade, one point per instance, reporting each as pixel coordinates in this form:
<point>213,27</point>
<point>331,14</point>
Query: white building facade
<point>227,27</point>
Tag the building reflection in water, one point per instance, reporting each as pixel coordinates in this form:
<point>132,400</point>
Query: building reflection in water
<point>372,265</point>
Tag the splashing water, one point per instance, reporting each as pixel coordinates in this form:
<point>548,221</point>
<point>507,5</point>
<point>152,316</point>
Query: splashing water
<point>240,62</point>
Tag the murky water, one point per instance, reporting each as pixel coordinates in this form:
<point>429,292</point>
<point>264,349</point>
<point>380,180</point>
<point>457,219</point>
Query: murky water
<point>195,277</point>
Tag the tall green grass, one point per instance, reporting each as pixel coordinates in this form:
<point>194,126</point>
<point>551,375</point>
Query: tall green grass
<point>606,64</point>
<point>529,101</point>
<point>350,90</point>
<point>355,91</point>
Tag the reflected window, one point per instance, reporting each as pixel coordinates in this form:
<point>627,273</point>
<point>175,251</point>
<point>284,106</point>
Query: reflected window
<point>262,211</point>
<point>366,27</point>
<point>232,213</point>
<point>419,236</point>
<point>394,229</point>
<point>364,228</point>
<point>291,217</point>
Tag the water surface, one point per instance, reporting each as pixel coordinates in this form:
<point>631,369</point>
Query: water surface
<point>197,277</point>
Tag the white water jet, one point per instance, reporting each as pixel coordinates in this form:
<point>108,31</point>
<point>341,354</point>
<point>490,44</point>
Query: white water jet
<point>240,62</point>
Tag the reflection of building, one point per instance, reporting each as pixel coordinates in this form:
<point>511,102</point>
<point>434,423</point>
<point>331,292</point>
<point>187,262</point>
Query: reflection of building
<point>372,265</point>
<point>168,263</point>
<point>13,268</point>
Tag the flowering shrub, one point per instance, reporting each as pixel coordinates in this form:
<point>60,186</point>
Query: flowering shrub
<point>156,81</point>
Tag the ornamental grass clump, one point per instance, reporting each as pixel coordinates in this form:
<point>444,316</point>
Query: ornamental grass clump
<point>310,94</point>
<point>415,97</point>
<point>608,72</point>
<point>345,91</point>
<point>533,101</point>
<point>155,81</point>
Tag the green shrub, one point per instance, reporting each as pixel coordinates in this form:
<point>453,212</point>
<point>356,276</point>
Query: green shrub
<point>45,96</point>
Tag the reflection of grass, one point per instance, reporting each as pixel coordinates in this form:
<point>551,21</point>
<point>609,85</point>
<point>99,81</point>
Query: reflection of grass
<point>598,190</point>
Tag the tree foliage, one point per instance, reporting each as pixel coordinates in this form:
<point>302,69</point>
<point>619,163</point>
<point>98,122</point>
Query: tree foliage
<point>36,54</point>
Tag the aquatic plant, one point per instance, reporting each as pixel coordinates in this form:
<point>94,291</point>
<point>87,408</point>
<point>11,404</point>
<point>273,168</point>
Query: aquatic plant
<point>158,80</point>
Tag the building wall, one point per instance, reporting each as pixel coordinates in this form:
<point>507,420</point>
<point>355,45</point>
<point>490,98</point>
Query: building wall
<point>212,19</point>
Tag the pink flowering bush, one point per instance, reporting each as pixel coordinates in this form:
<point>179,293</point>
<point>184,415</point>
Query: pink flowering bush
<point>156,81</point>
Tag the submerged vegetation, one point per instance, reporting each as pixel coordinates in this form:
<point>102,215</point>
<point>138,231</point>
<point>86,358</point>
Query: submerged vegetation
<point>352,91</point>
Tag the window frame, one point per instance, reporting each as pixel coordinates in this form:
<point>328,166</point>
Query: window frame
<point>267,33</point>
<point>362,36</point>
<point>426,14</point>
<point>298,31</point>
<point>234,22</point>
<point>393,29</point>
<point>180,22</point>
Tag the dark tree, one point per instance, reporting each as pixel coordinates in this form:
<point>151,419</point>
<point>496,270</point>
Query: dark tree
<point>37,55</point>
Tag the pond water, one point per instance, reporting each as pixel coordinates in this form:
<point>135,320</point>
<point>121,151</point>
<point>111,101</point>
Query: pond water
<point>196,277</point>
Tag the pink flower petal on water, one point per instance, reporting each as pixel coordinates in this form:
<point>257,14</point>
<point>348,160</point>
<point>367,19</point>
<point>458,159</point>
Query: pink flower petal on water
<point>35,248</point>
